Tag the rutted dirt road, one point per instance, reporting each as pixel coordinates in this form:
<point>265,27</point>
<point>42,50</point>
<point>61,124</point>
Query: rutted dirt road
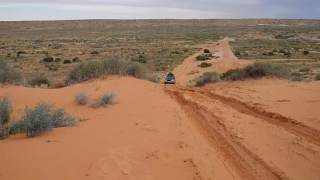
<point>254,141</point>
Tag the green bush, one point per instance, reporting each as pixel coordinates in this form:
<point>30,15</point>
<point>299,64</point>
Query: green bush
<point>104,100</point>
<point>93,69</point>
<point>43,118</point>
<point>5,110</point>
<point>256,70</point>
<point>81,98</point>
<point>205,65</point>
<point>210,77</point>
<point>8,74</point>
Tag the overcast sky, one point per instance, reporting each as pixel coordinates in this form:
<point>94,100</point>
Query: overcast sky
<point>157,9</point>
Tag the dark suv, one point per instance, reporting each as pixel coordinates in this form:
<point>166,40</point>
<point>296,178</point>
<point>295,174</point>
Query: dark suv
<point>170,79</point>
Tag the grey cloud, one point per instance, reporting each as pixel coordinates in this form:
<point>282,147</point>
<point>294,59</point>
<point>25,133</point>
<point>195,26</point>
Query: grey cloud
<point>239,8</point>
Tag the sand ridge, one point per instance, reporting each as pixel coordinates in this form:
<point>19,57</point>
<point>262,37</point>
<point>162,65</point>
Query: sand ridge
<point>255,129</point>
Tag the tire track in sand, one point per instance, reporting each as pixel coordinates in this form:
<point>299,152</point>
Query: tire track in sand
<point>241,160</point>
<point>292,126</point>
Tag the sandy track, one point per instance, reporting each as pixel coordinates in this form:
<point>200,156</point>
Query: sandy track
<point>190,70</point>
<point>257,138</point>
<point>229,125</point>
<point>238,157</point>
<point>308,133</point>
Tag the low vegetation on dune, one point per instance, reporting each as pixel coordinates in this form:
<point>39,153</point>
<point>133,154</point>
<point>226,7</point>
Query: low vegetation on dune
<point>5,110</point>
<point>42,118</point>
<point>104,100</point>
<point>94,69</point>
<point>82,98</point>
<point>256,70</point>
<point>39,80</point>
<point>209,77</point>
<point>8,74</point>
<point>36,121</point>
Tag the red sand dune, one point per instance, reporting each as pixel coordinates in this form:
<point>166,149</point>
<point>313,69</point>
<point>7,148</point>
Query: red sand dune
<point>256,129</point>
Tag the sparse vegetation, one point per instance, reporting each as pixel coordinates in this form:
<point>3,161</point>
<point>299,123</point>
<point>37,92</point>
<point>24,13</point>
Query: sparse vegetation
<point>160,45</point>
<point>204,57</point>
<point>39,80</point>
<point>8,74</point>
<point>210,77</point>
<point>317,77</point>
<point>94,69</point>
<point>4,131</point>
<point>104,100</point>
<point>305,69</point>
<point>256,70</point>
<point>43,118</point>
<point>48,59</point>
<point>5,110</point>
<point>82,98</point>
<point>206,51</point>
<point>67,61</point>
<point>205,65</point>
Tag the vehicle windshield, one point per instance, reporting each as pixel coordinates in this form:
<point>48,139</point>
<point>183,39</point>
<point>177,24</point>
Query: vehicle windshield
<point>170,76</point>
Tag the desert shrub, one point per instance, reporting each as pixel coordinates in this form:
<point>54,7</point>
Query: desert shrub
<point>81,98</point>
<point>43,118</point>
<point>140,59</point>
<point>17,127</point>
<point>305,69</point>
<point>67,61</point>
<point>204,57</point>
<point>4,132</point>
<point>76,59</point>
<point>8,74</point>
<point>19,53</point>
<point>317,77</point>
<point>233,74</point>
<point>205,65</point>
<point>104,100</point>
<point>136,70</point>
<point>206,51</point>
<point>39,80</point>
<point>94,52</point>
<point>59,84</point>
<point>237,53</point>
<point>61,119</point>
<point>48,59</point>
<point>38,120</point>
<point>256,70</point>
<point>210,77</point>
<point>305,52</point>
<point>93,69</point>
<point>5,110</point>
